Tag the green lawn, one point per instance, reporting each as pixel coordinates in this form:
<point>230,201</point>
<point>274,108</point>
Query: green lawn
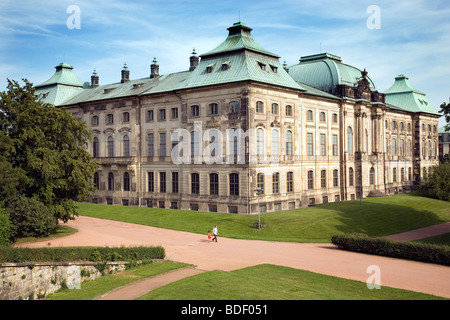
<point>375,217</point>
<point>94,288</point>
<point>269,282</point>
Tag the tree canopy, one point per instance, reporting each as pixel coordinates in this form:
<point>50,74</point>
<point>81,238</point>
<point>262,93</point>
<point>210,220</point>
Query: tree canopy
<point>445,110</point>
<point>42,153</point>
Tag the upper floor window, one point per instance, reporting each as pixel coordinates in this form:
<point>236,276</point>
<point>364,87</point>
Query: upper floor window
<point>234,106</point>
<point>335,118</point>
<point>213,108</point>
<point>289,111</point>
<point>322,116</point>
<point>95,120</point>
<point>195,110</point>
<point>126,117</point>
<point>110,119</point>
<point>259,107</point>
<point>274,108</point>
<point>309,115</point>
<point>162,114</point>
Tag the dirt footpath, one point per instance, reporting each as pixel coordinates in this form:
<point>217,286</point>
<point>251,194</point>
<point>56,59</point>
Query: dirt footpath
<point>231,254</point>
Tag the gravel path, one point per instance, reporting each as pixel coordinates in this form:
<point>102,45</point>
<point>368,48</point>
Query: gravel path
<point>231,254</point>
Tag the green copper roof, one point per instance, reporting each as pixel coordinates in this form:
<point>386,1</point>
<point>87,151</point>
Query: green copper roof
<point>63,75</point>
<point>239,37</point>
<point>325,71</point>
<point>404,96</point>
<point>61,86</point>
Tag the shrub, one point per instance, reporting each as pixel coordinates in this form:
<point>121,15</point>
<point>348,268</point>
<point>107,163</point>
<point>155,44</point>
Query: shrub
<point>30,218</point>
<point>405,250</point>
<point>5,228</point>
<point>96,254</point>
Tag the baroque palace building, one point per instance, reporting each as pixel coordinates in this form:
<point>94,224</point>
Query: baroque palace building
<point>206,138</point>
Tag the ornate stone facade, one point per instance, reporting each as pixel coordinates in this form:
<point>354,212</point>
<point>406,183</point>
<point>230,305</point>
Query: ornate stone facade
<point>239,120</point>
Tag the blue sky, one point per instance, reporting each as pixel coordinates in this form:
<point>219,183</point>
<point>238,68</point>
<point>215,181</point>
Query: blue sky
<point>413,38</point>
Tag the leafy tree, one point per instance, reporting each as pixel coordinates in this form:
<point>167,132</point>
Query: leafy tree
<point>437,184</point>
<point>45,144</point>
<point>30,218</point>
<point>445,110</point>
<point>5,228</point>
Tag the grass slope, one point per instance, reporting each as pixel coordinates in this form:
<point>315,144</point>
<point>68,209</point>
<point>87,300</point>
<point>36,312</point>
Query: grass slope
<point>375,217</point>
<point>270,282</point>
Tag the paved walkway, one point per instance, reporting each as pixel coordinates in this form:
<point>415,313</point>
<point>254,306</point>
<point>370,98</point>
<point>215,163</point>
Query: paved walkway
<point>231,254</point>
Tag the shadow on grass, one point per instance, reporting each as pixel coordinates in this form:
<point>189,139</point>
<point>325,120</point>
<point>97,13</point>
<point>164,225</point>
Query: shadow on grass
<point>376,218</point>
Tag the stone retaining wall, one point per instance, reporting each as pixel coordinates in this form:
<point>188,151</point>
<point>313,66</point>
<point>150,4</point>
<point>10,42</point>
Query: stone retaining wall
<point>36,280</point>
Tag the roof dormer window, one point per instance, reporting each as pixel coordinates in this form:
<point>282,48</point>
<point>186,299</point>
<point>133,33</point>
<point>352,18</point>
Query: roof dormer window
<point>274,69</point>
<point>262,66</point>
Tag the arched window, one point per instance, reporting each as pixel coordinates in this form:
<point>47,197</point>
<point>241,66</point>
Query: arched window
<point>351,177</point>
<point>372,176</point>
<point>260,142</point>
<point>276,182</point>
<point>310,179</point>
<point>234,106</point>
<point>96,181</point>
<point>309,115</point>
<point>323,178</point>
<point>259,107</point>
<point>126,146</point>
<point>126,181</point>
<point>335,178</point>
<point>260,182</point>
<point>289,142</point>
<point>402,174</point>
<point>274,108</point>
<point>111,181</point>
<point>290,181</point>
<point>110,146</point>
<point>350,140</point>
<point>95,148</point>
<point>289,111</point>
<point>394,175</point>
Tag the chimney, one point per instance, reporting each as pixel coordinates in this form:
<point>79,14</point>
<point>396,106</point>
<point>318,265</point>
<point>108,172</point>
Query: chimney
<point>154,69</point>
<point>94,80</point>
<point>194,61</point>
<point>125,74</point>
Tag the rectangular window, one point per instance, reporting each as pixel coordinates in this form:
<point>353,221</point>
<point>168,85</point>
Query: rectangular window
<point>162,114</point>
<point>174,113</point>
<point>150,115</point>
<point>335,144</point>
<point>309,144</point>
<point>323,147</point>
<point>151,182</point>
<point>234,184</point>
<point>162,182</point>
<point>195,183</point>
<point>162,144</point>
<point>151,146</point>
<point>175,182</point>
<point>214,184</point>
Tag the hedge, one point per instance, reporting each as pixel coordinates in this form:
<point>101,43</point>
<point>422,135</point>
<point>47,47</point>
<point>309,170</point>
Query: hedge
<point>424,252</point>
<point>96,254</point>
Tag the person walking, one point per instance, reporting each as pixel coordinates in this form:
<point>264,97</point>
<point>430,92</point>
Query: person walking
<point>215,232</point>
